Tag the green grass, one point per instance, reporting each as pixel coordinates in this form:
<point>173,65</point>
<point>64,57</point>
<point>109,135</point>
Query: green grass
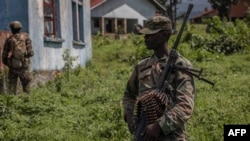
<point>226,103</point>
<point>87,107</point>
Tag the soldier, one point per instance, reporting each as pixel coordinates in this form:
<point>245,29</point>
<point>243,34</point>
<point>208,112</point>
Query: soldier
<point>170,126</point>
<point>16,55</point>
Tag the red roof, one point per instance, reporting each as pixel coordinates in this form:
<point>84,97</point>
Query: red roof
<point>94,3</point>
<point>205,13</point>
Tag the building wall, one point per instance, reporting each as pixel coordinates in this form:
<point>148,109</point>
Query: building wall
<point>240,10</point>
<point>36,31</point>
<point>130,12</point>
<point>48,54</point>
<point>11,10</point>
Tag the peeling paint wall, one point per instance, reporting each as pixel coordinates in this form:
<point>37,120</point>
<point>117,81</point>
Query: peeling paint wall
<point>35,9</point>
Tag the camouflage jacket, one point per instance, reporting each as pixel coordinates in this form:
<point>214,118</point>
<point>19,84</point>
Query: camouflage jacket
<point>146,77</point>
<point>9,46</point>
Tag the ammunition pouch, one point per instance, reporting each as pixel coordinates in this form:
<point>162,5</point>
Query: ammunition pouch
<point>26,62</point>
<point>16,63</point>
<point>8,62</point>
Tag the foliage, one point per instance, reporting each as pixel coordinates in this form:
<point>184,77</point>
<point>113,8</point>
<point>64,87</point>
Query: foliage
<point>224,37</point>
<point>68,62</point>
<point>141,52</point>
<point>87,107</point>
<point>247,19</point>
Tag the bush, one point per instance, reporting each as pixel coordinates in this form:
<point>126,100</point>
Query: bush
<point>225,38</point>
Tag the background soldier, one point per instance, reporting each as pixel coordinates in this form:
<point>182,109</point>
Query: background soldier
<point>145,78</point>
<point>16,55</point>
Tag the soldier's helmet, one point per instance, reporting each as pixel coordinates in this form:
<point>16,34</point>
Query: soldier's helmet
<point>16,25</point>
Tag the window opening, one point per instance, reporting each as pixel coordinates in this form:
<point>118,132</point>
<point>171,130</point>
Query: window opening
<point>49,17</point>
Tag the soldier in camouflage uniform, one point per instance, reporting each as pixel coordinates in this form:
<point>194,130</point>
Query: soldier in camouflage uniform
<point>16,55</point>
<point>146,76</point>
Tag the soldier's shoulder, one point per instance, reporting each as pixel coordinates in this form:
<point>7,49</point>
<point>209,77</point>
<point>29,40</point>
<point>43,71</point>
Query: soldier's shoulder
<point>11,37</point>
<point>183,61</point>
<point>143,61</point>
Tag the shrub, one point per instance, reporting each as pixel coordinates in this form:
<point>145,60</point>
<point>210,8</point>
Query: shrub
<point>224,37</point>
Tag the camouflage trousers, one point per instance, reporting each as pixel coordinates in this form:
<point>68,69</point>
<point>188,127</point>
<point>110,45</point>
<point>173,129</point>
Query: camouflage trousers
<point>24,76</point>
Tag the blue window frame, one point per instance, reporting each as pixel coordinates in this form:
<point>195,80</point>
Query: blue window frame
<point>77,17</point>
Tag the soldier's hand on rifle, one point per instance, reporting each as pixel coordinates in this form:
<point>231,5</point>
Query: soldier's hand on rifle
<point>152,132</point>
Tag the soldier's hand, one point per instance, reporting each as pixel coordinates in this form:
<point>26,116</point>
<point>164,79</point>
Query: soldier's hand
<point>152,132</point>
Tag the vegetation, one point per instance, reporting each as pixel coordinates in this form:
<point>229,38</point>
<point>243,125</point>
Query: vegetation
<point>87,106</point>
<point>223,37</point>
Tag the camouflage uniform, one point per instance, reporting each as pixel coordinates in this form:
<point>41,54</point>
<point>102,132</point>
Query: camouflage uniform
<point>146,77</point>
<point>23,71</point>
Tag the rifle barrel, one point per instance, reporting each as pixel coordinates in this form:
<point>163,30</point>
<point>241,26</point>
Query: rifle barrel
<point>190,7</point>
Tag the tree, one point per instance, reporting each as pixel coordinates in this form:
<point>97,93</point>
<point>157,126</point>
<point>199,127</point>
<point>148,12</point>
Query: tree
<point>171,10</point>
<point>223,7</point>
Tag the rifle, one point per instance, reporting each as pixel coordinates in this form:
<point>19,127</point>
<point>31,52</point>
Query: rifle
<point>170,65</point>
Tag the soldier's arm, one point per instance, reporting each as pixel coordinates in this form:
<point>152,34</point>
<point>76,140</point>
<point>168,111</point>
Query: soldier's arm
<point>29,48</point>
<point>131,92</point>
<point>129,100</point>
<point>177,116</point>
<point>6,50</point>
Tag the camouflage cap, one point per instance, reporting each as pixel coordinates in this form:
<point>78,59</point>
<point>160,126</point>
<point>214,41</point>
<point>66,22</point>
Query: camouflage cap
<point>156,24</point>
<point>15,25</point>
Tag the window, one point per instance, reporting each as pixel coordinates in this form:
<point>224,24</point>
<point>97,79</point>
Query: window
<point>77,14</point>
<point>51,18</point>
<point>96,23</point>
